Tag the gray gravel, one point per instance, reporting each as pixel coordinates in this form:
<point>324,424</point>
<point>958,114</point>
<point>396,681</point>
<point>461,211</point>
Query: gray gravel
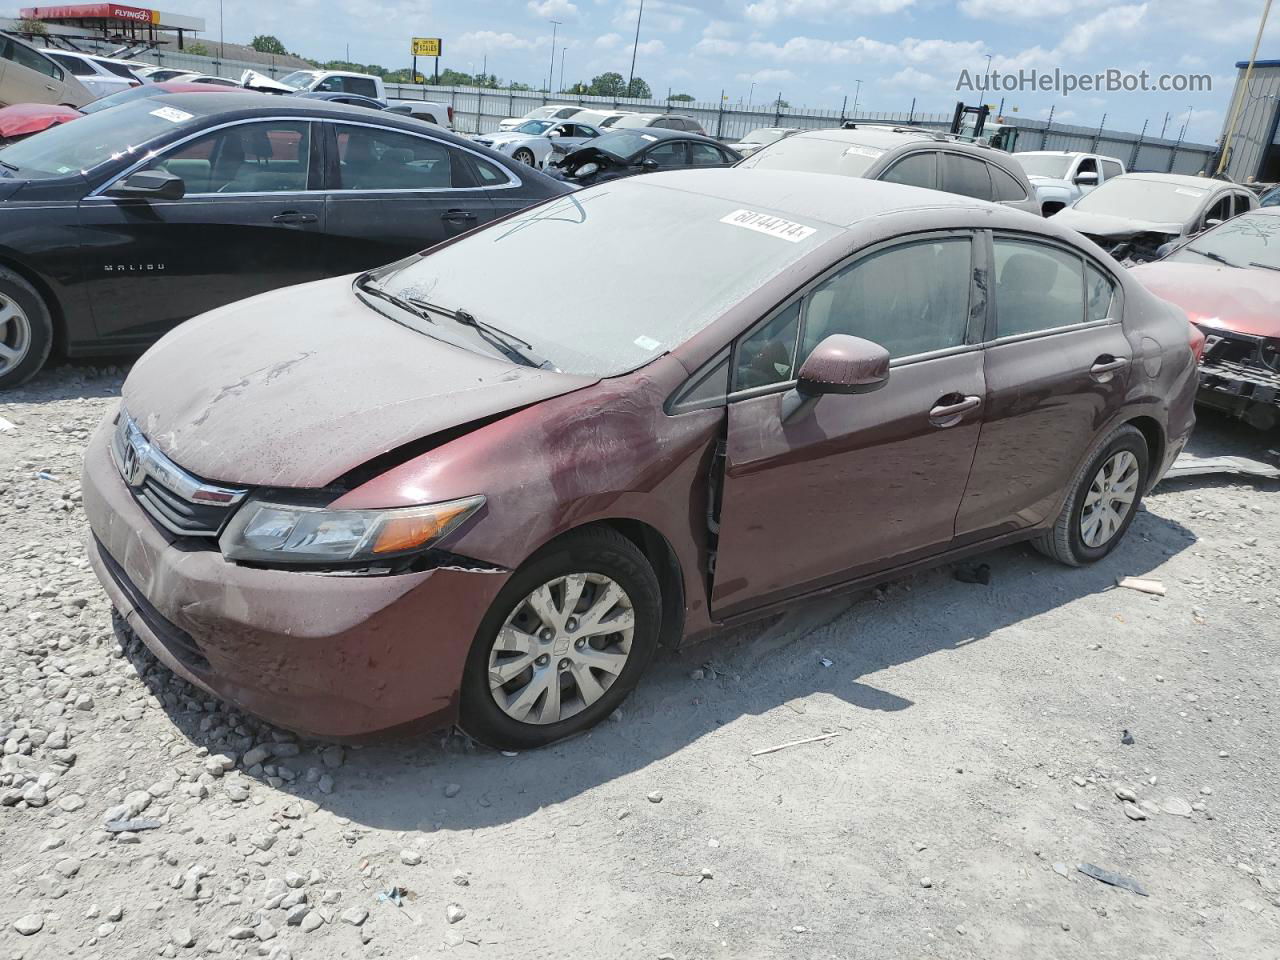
<point>976,761</point>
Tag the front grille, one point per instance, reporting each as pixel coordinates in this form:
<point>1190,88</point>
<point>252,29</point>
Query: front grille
<point>179,501</point>
<point>179,515</point>
<point>1241,366</point>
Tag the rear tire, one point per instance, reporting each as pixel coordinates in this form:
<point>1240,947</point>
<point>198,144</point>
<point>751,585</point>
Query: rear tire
<point>26,330</point>
<point>524,156</point>
<point>536,673</point>
<point>1105,495</point>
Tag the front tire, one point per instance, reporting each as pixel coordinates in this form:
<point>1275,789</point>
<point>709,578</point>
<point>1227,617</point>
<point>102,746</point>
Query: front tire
<point>1104,499</point>
<point>26,330</point>
<point>524,156</point>
<point>564,643</point>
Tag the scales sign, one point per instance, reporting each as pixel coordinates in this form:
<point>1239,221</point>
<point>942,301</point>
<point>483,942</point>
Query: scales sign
<point>425,47</point>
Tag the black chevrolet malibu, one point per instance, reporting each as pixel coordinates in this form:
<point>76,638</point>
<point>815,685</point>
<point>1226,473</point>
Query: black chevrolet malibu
<point>120,225</point>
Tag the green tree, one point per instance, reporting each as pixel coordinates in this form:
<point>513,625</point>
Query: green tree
<point>33,27</point>
<point>681,98</point>
<point>639,90</point>
<point>579,89</point>
<point>515,85</point>
<point>198,49</point>
<point>265,43</point>
<point>607,85</point>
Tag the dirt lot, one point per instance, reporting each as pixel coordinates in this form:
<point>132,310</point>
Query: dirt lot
<point>975,760</point>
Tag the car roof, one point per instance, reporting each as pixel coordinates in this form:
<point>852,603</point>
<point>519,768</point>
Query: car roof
<point>1181,180</point>
<point>830,198</point>
<point>664,133</point>
<point>889,137</point>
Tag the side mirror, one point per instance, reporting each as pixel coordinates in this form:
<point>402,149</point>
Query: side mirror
<point>149,185</point>
<point>649,163</point>
<point>1212,222</point>
<point>839,364</point>
<point>553,133</point>
<point>1087,179</point>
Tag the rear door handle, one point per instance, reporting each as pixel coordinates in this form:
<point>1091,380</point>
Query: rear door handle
<point>457,215</point>
<point>949,414</point>
<point>1106,365</point>
<point>293,216</point>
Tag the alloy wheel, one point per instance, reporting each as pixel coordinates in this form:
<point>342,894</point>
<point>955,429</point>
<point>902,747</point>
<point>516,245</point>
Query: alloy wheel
<point>525,157</point>
<point>1110,498</point>
<point>561,648</point>
<point>15,334</point>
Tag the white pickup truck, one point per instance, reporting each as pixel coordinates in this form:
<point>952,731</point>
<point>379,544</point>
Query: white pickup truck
<point>336,82</point>
<point>1061,177</point>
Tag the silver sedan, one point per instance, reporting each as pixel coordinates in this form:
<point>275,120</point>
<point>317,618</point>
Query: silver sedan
<point>536,142</point>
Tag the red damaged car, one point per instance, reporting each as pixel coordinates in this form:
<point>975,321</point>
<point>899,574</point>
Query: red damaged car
<point>424,494</point>
<point>1228,281</point>
<point>21,120</point>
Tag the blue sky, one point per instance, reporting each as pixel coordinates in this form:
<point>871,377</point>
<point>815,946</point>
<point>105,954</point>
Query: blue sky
<point>812,51</point>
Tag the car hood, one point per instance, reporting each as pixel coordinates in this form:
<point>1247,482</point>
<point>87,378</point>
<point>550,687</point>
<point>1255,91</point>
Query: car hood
<point>296,387</point>
<point>1106,225</point>
<point>25,118</point>
<point>1050,182</point>
<point>1224,298</point>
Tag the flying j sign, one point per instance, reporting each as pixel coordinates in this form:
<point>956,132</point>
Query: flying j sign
<point>92,11</point>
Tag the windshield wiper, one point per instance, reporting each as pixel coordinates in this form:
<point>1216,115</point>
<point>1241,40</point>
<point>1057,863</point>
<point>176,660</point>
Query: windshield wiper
<point>1264,266</point>
<point>504,342</point>
<point>8,166</point>
<point>1217,257</point>
<point>408,306</point>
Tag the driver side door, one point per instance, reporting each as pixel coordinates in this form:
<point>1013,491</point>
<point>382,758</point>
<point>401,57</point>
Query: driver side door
<point>858,483</point>
<point>249,222</point>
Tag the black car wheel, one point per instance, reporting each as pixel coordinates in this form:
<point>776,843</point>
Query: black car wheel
<point>524,156</point>
<point>26,330</point>
<point>1104,498</point>
<point>563,644</point>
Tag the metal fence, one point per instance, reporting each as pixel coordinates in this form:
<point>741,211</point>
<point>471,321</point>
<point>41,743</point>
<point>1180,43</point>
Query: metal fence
<point>477,110</point>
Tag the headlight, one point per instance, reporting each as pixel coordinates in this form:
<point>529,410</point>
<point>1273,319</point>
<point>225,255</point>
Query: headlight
<point>586,170</point>
<point>266,531</point>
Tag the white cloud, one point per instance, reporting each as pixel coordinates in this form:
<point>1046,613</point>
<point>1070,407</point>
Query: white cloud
<point>483,41</point>
<point>554,9</point>
<point>1022,9</point>
<point>767,77</point>
<point>768,12</point>
<point>608,41</point>
<point>912,79</point>
<point>715,47</point>
<point>663,16</point>
<point>652,48</point>
<point>931,53</point>
<point>1107,25</point>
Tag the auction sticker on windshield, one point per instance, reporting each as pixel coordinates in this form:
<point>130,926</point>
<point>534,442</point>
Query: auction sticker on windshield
<point>172,114</point>
<point>770,225</point>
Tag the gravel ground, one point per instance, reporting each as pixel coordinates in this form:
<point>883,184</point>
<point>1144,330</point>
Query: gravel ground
<point>973,760</point>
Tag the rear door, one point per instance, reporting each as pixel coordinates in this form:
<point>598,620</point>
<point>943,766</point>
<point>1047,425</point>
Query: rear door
<point>704,155</point>
<point>1057,368</point>
<point>864,482</point>
<point>393,193</point>
<point>29,76</point>
<point>667,155</point>
<point>252,220</point>
<point>965,176</point>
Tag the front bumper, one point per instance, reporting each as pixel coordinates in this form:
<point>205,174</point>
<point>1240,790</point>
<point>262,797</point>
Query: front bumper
<point>1236,379</point>
<point>333,656</point>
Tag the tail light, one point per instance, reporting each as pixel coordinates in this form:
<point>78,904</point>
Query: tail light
<point>450,109</point>
<point>1197,342</point>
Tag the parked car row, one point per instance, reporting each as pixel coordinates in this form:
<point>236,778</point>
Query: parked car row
<point>556,490</point>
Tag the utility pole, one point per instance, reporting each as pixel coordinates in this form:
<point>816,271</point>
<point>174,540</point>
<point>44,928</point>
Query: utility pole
<point>750,94</point>
<point>634,48</point>
<point>222,34</point>
<point>857,92</point>
<point>1164,125</point>
<point>551,74</point>
<point>562,53</point>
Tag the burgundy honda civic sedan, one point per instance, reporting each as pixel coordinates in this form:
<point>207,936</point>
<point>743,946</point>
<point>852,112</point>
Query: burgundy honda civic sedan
<point>423,495</point>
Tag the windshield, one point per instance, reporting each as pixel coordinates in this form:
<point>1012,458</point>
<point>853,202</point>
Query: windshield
<point>298,79</point>
<point>632,120</point>
<point>540,112</point>
<point>532,126</point>
<point>73,148</point>
<point>815,155</point>
<point>697,265</point>
<point>124,96</point>
<point>1134,198</point>
<point>623,145</point>
<point>1044,165</point>
<point>1249,240</point>
<point>765,136</point>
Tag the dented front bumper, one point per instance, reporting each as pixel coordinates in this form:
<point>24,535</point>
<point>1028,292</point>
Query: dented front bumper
<point>336,656</point>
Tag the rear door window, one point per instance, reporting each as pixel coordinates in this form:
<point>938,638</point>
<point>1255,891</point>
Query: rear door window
<point>915,170</point>
<point>705,155</point>
<point>26,57</point>
<point>966,176</point>
<point>370,158</point>
<point>1038,287</point>
<point>669,154</point>
<point>1101,293</point>
<point>74,65</point>
<point>1004,185</point>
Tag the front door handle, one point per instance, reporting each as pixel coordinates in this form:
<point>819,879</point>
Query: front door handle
<point>1105,366</point>
<point>50,86</point>
<point>949,414</point>
<point>293,216</point>
<point>457,216</point>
